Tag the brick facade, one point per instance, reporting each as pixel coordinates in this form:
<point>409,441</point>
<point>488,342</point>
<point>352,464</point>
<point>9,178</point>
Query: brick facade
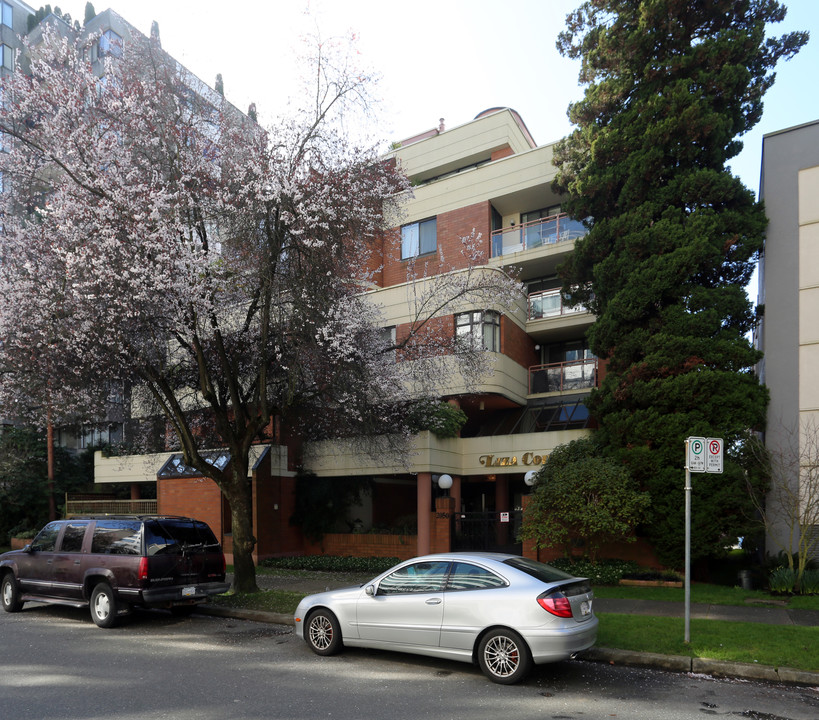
<point>452,227</point>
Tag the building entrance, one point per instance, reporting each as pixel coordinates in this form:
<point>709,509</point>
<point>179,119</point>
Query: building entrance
<point>487,531</point>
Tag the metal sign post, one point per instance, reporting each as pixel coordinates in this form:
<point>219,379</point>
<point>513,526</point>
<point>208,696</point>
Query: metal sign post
<point>701,455</point>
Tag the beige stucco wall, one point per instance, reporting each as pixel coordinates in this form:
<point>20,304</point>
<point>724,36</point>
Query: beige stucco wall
<point>143,468</point>
<point>808,296</point>
<point>459,456</point>
<point>463,144</point>
<point>531,170</point>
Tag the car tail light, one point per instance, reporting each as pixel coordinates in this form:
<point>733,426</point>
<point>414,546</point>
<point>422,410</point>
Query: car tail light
<point>143,569</point>
<point>556,603</point>
<point>224,564</point>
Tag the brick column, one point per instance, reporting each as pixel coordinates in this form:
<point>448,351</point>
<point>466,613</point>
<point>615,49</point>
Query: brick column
<point>442,525</point>
<point>424,482</point>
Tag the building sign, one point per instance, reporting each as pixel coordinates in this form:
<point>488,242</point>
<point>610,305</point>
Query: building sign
<point>528,458</point>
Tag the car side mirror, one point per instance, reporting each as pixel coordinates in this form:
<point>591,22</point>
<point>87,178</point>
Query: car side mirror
<point>370,590</point>
<point>28,549</point>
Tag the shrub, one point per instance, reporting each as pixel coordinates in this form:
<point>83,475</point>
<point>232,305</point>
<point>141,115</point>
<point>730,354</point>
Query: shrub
<point>810,582</point>
<point>581,495</point>
<point>440,418</point>
<point>602,572</point>
<point>782,580</point>
<point>332,563</point>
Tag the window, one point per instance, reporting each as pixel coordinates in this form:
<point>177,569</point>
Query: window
<point>110,44</point>
<point>7,59</point>
<point>419,238</point>
<point>73,536</point>
<point>117,537</point>
<point>465,576</point>
<point>388,340</point>
<point>483,324</point>
<point>7,15</point>
<point>174,537</point>
<point>422,577</point>
<point>46,539</point>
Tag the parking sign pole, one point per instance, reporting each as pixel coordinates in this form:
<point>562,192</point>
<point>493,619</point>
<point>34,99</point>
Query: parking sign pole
<point>687,637</point>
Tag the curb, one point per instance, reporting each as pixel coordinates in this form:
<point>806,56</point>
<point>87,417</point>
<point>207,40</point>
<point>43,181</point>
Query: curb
<point>670,663</point>
<point>703,666</point>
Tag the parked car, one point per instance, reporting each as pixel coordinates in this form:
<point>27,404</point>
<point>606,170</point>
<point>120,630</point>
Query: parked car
<point>502,612</point>
<point>111,563</point>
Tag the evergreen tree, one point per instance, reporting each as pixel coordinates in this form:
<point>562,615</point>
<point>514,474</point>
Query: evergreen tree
<point>673,239</point>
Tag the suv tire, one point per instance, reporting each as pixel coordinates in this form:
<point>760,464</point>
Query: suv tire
<point>104,606</point>
<point>10,593</point>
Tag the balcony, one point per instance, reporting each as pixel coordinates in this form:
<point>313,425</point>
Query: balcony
<point>549,303</point>
<point>563,377</point>
<point>546,231</point>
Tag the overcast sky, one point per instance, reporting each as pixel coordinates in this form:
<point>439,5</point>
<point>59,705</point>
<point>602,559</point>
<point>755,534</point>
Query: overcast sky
<point>446,59</point>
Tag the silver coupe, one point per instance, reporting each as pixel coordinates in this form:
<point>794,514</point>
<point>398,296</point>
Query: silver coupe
<point>503,612</point>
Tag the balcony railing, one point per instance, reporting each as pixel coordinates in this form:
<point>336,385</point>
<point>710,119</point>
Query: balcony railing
<point>547,231</point>
<point>562,377</point>
<point>549,303</point>
<point>114,507</point>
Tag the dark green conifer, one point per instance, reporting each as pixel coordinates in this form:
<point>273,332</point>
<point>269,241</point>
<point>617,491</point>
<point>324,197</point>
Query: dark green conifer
<point>674,238</point>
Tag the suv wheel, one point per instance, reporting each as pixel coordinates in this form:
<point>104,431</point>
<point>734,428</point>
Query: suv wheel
<point>10,593</point>
<point>103,606</point>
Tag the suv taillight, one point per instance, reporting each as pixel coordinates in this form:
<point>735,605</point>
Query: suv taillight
<point>556,603</point>
<point>224,564</point>
<point>143,569</point>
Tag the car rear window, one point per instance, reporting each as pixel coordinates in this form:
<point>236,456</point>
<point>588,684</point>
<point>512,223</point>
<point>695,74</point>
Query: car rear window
<point>541,571</point>
<point>466,576</point>
<point>175,537</point>
<point>117,537</point>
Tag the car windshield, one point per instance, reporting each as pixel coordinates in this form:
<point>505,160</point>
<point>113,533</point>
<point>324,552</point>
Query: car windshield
<point>541,571</point>
<point>175,537</point>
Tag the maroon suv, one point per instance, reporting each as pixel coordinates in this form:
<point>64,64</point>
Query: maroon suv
<point>113,562</point>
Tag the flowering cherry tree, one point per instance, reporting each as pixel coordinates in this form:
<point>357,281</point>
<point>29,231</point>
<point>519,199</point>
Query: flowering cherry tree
<point>154,236</point>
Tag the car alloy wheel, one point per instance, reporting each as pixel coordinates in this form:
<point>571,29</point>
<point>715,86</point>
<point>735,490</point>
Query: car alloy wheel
<point>504,657</point>
<point>323,632</point>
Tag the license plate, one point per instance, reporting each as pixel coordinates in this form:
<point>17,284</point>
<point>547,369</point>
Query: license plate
<point>585,607</point>
<point>188,591</point>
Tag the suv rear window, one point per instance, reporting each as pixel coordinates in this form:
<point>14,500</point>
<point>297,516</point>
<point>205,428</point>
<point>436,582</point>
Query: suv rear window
<point>117,537</point>
<point>175,537</point>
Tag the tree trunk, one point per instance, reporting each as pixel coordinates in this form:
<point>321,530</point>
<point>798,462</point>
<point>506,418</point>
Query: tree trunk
<point>241,512</point>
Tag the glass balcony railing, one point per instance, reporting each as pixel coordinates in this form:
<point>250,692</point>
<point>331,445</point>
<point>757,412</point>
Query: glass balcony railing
<point>547,231</point>
<point>562,377</point>
<point>548,304</point>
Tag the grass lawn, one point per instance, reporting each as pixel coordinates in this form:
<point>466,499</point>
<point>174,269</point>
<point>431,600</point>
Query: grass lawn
<point>705,593</point>
<point>279,601</point>
<point>776,645</point>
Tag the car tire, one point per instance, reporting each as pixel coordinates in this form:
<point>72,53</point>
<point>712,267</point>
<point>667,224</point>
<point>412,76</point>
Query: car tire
<point>10,594</point>
<point>504,656</point>
<point>104,610</point>
<point>323,633</point>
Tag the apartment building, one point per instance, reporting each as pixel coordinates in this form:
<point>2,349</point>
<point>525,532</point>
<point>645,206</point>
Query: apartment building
<point>486,178</point>
<point>106,34</point>
<point>789,332</point>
